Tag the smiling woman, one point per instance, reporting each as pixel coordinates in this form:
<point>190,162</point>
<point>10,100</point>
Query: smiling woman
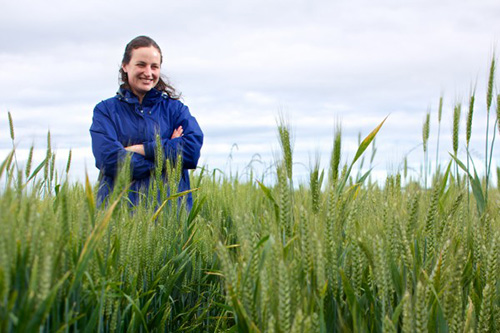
<point>143,70</point>
<point>145,106</point>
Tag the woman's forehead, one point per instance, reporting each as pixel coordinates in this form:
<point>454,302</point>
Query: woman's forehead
<point>151,54</point>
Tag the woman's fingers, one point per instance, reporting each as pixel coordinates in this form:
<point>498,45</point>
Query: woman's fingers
<point>177,132</point>
<point>139,149</point>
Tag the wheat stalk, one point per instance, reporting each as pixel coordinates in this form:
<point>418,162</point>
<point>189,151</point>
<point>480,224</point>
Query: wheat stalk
<point>456,126</point>
<point>11,126</point>
<point>336,155</point>
<point>425,139</point>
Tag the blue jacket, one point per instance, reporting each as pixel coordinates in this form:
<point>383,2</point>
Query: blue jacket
<point>122,121</point>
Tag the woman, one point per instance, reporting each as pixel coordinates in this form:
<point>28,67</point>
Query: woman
<point>144,106</point>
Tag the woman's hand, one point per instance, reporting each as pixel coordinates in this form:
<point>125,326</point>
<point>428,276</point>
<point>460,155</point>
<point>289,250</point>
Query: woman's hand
<point>177,132</point>
<point>139,149</point>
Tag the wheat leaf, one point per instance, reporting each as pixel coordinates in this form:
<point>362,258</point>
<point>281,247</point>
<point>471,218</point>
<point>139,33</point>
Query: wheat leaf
<point>366,142</point>
<point>173,196</point>
<point>475,182</point>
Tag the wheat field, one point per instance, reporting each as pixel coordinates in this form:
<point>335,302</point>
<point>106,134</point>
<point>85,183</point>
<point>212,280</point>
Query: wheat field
<point>336,254</point>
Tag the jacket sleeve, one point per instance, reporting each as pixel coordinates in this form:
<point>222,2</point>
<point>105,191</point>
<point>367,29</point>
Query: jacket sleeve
<point>109,152</point>
<point>189,144</point>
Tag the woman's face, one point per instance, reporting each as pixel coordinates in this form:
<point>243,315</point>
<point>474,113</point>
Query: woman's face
<point>143,70</point>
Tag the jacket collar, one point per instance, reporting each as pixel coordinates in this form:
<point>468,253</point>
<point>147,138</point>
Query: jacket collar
<point>127,96</point>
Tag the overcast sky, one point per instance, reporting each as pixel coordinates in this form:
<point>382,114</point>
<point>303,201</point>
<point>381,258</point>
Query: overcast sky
<point>239,63</point>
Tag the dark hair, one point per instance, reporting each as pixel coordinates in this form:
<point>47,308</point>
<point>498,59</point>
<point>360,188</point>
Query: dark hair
<point>145,41</point>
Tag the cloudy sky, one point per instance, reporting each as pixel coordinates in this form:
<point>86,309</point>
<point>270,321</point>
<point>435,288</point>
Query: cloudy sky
<point>240,63</point>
